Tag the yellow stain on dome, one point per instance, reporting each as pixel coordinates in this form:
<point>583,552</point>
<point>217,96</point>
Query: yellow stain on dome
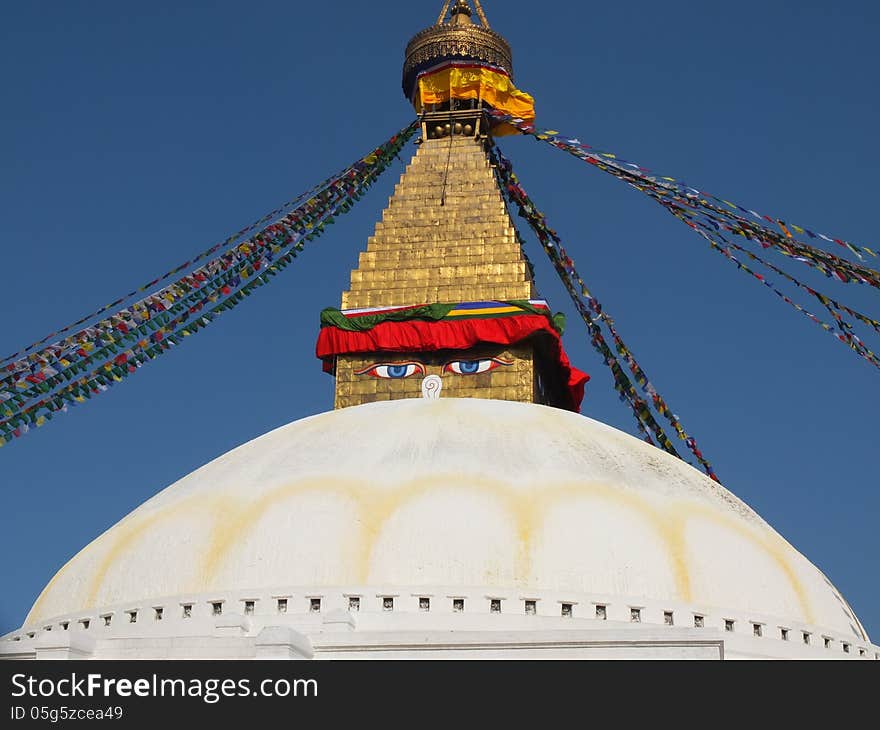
<point>121,537</point>
<point>526,509</point>
<point>379,506</point>
<point>541,502</point>
<point>232,526</point>
<point>35,614</point>
<point>233,518</point>
<point>766,539</point>
<point>375,507</point>
<point>131,531</point>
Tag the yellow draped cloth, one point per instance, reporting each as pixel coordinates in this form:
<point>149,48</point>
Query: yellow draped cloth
<point>474,82</point>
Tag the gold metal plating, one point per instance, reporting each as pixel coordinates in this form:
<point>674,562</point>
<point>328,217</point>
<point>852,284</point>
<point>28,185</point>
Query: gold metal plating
<point>513,382</point>
<point>463,250</point>
<point>422,252</point>
<point>441,41</point>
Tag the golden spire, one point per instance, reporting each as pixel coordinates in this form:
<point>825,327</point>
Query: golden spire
<point>446,239</point>
<point>422,252</point>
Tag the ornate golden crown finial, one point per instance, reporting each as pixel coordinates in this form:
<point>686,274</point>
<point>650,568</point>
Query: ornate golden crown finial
<point>456,38</point>
<point>461,6</point>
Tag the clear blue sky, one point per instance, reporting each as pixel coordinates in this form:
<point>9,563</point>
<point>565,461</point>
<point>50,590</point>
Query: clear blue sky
<point>136,134</point>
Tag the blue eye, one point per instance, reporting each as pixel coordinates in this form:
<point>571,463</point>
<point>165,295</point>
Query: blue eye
<point>398,371</point>
<point>392,370</point>
<point>474,367</point>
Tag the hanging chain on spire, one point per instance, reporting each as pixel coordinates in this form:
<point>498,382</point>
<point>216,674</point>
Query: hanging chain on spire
<point>481,14</point>
<point>442,16</point>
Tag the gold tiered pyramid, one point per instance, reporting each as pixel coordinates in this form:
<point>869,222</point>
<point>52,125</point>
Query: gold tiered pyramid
<point>445,237</point>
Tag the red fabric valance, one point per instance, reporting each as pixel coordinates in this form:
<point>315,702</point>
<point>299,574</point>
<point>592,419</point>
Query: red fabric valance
<point>425,336</point>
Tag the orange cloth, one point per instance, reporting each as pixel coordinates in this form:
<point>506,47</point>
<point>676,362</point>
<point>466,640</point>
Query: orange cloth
<point>475,82</point>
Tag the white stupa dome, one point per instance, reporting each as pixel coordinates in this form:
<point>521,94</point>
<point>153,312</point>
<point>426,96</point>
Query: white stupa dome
<point>498,502</point>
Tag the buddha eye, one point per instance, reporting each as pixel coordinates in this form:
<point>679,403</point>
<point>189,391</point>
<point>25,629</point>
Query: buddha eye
<point>474,367</point>
<point>394,370</point>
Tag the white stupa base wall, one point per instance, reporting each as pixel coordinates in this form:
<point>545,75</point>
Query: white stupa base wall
<point>422,622</point>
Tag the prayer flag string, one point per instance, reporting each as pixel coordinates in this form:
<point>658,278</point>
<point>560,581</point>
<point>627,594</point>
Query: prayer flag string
<point>712,218</point>
<point>843,332</point>
<point>718,213</point>
<point>74,371</point>
<point>594,316</point>
<point>279,211</point>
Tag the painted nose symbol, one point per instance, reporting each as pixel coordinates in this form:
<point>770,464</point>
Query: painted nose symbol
<point>431,387</point>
